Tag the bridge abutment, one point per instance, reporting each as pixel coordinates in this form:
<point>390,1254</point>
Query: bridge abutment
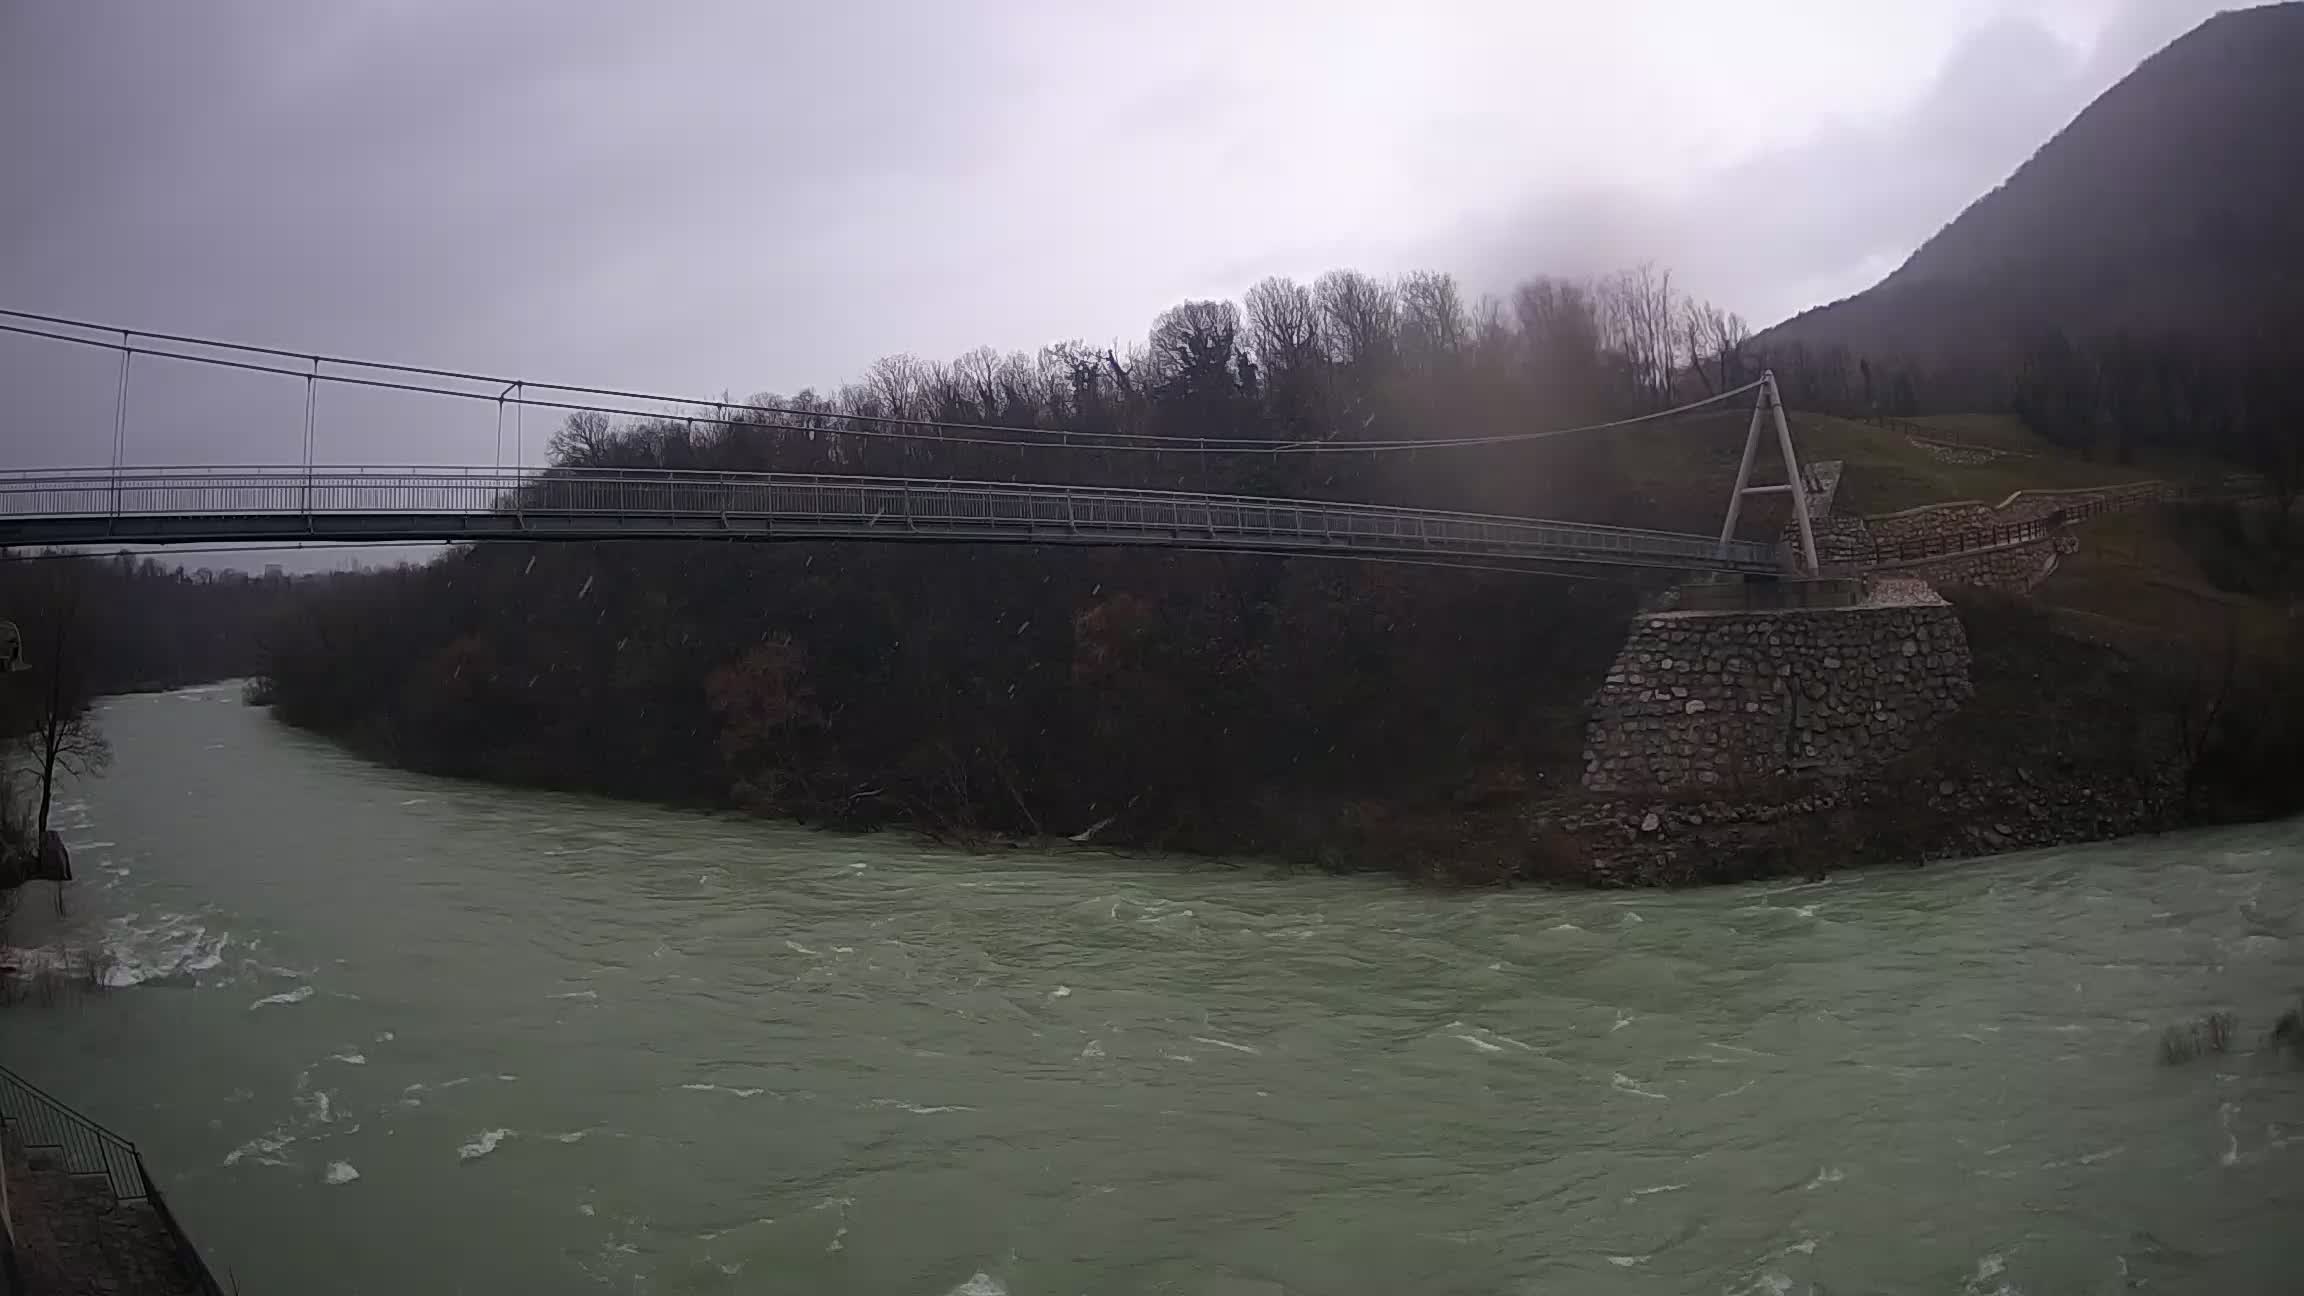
<point>1729,692</point>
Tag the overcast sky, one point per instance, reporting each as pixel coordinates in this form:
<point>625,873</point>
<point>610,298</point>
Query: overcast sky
<point>743,196</point>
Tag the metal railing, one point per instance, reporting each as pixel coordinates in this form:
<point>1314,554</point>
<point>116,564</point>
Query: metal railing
<point>41,1124</point>
<point>160,505</point>
<point>1972,540</point>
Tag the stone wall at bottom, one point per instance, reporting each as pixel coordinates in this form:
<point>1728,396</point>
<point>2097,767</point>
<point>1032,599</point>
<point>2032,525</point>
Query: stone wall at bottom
<point>1706,703</point>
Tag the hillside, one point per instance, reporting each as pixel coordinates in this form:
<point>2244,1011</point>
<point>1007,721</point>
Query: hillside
<point>2169,204</point>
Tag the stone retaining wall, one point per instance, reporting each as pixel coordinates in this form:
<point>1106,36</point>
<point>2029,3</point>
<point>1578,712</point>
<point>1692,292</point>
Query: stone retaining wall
<point>1705,703</point>
<point>1930,521</point>
<point>2015,569</point>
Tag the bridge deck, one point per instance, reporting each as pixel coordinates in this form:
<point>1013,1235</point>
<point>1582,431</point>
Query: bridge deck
<point>379,505</point>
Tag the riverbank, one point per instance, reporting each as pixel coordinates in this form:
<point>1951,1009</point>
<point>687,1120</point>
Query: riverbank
<point>2063,741</point>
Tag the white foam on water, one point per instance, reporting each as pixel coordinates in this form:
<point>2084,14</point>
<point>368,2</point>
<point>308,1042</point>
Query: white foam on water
<point>798,948</point>
<point>1623,1083</point>
<point>980,1284</point>
<point>2231,1154</point>
<point>384,1037</point>
<point>506,1076</point>
<point>1226,1044</point>
<point>1484,1039</point>
<point>914,1108</point>
<point>482,1145</point>
<point>1991,1266</point>
<point>349,1059</point>
<point>1095,1049</point>
<point>340,1172</point>
<point>575,994</point>
<point>572,1136</point>
<point>1061,992</point>
<point>297,995</point>
<point>2091,1158</point>
<point>1623,1019</point>
<point>1179,1057</point>
<point>726,1089</point>
<point>837,1243</point>
<point>1827,1175</point>
<point>1659,1188</point>
<point>264,1148</point>
<point>1626,1262</point>
<point>171,945</point>
<point>586,1208</point>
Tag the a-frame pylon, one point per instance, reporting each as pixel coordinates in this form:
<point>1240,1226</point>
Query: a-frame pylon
<point>1771,405</point>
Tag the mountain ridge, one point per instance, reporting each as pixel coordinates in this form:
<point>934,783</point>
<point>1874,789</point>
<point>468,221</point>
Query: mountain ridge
<point>2174,201</point>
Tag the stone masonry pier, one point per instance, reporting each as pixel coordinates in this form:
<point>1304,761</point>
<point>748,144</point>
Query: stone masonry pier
<point>1708,702</point>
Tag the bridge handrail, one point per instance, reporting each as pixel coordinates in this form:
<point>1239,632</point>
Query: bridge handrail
<point>511,482</point>
<point>272,474</point>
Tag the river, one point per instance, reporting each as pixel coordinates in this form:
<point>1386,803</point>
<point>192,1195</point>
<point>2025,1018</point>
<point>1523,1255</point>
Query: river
<point>381,1032</point>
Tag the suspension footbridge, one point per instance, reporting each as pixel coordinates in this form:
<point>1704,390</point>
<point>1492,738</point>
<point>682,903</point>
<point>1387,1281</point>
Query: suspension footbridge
<point>124,504</point>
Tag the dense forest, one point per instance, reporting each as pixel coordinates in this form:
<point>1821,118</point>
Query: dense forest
<point>1299,705</point>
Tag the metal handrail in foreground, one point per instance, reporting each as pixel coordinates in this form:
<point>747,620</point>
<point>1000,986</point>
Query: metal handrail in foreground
<point>39,1122</point>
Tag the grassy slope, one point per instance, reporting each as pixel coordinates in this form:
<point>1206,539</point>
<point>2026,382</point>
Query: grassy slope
<point>1888,471</point>
<point>2132,584</point>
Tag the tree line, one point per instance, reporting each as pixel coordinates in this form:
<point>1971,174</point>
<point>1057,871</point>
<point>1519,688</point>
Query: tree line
<point>1344,360</point>
<point>91,626</point>
<point>1327,710</point>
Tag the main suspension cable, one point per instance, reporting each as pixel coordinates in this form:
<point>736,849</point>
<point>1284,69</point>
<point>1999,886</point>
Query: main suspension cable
<point>882,426</point>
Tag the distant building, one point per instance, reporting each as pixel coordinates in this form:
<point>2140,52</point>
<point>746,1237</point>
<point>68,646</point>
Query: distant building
<point>274,571</point>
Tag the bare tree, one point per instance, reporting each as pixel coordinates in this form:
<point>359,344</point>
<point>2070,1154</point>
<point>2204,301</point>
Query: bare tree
<point>1638,325</point>
<point>584,440</point>
<point>1360,318</point>
<point>1433,324</point>
<point>1193,343</point>
<point>1710,334</point>
<point>1284,328</point>
<point>61,734</point>
<point>900,384</point>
